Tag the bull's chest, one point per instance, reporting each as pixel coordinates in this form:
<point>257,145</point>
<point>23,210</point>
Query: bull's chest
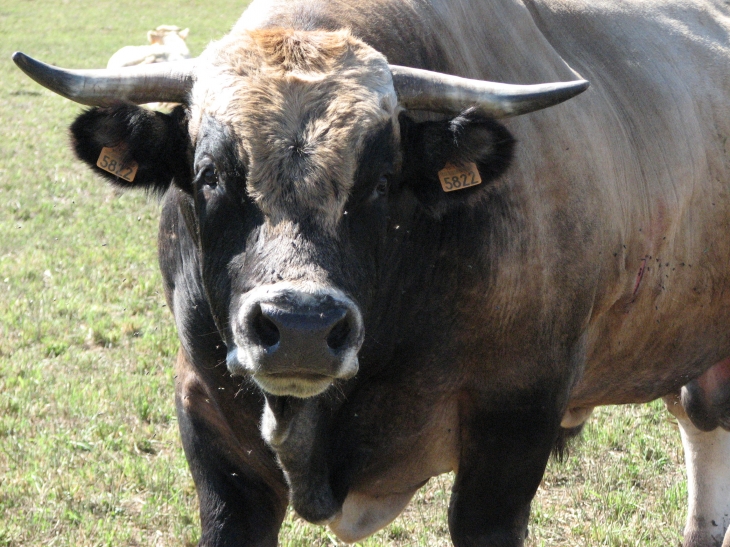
<point>407,440</point>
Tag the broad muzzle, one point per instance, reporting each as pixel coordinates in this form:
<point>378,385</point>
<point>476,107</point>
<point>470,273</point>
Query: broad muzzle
<point>295,342</point>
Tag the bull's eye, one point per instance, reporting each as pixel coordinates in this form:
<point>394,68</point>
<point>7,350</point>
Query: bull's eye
<point>381,189</point>
<point>209,176</point>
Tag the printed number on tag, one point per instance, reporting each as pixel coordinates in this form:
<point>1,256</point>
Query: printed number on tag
<point>110,160</point>
<point>455,177</point>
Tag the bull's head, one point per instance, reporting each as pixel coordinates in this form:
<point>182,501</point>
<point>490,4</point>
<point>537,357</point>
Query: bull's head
<point>291,148</point>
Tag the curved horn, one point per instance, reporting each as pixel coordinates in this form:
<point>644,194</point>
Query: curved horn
<point>425,90</point>
<point>169,82</point>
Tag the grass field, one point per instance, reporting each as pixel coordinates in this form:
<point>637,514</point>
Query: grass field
<point>89,449</point>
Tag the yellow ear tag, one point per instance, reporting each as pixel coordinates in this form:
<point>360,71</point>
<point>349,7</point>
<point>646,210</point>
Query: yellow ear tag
<point>457,177</point>
<point>110,160</point>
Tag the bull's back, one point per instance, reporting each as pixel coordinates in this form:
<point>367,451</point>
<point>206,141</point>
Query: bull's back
<point>655,125</point>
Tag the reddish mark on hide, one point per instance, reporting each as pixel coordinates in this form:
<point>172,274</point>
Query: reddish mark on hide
<point>715,378</point>
<point>639,277</point>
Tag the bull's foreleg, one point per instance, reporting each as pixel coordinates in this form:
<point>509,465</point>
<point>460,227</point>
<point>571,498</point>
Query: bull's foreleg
<point>243,496</point>
<point>502,461</point>
<point>707,458</point>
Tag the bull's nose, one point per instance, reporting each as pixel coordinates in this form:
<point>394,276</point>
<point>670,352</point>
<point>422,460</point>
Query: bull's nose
<point>297,343</point>
<point>330,325</point>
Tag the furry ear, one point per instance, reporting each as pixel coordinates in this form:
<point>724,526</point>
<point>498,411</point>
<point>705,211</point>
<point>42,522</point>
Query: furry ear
<point>158,143</point>
<point>468,138</point>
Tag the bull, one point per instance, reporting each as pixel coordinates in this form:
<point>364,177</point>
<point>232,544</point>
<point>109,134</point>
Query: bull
<point>349,328</point>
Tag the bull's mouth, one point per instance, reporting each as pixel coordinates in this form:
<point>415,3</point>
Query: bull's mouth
<point>293,384</point>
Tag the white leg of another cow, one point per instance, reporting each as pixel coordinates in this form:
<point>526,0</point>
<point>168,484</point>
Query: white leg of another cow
<point>707,458</point>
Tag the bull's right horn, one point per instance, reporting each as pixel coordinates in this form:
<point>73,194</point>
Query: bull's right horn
<point>161,82</point>
<point>436,92</point>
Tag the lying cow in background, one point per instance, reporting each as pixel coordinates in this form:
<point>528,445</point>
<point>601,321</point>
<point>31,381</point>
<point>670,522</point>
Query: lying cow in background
<point>167,43</point>
<point>373,283</point>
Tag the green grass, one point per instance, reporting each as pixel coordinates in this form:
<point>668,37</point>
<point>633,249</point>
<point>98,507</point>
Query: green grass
<point>89,449</point>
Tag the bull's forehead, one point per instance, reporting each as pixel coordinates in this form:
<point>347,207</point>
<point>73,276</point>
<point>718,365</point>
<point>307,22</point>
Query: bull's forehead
<point>301,106</point>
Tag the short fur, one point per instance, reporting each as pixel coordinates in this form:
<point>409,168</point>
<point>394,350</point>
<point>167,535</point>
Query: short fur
<point>304,89</point>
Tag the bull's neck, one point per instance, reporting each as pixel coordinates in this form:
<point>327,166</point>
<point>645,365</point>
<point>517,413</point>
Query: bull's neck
<point>432,262</point>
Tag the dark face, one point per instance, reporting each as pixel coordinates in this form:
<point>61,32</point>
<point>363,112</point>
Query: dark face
<point>289,290</point>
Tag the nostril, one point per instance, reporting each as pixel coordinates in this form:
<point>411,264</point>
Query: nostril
<point>337,338</point>
<point>266,330</point>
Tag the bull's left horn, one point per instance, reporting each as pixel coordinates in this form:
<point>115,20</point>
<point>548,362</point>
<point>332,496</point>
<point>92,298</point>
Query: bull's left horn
<point>436,92</point>
<point>161,82</point>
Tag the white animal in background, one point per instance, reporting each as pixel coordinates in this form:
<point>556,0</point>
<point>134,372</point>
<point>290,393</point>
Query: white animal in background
<point>167,43</point>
